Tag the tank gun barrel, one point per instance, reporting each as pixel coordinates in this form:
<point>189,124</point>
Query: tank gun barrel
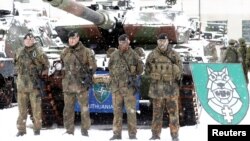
<point>101,19</point>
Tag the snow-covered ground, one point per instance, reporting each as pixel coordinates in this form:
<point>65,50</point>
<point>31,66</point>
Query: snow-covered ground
<point>98,132</point>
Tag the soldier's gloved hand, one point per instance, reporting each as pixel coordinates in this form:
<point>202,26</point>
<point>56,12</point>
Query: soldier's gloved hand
<point>45,73</point>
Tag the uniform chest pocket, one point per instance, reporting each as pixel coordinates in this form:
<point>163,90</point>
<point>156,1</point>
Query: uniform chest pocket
<point>167,77</point>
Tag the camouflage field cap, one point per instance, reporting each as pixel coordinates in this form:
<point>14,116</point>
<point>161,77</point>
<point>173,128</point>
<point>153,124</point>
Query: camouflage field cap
<point>30,35</point>
<point>163,36</point>
<point>242,41</point>
<point>73,33</point>
<point>123,37</point>
<point>231,42</point>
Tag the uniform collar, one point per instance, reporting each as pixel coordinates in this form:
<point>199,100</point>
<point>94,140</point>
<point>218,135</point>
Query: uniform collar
<point>76,47</point>
<point>29,49</point>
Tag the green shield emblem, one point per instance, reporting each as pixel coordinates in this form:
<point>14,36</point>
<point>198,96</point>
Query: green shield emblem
<point>222,91</point>
<point>101,92</point>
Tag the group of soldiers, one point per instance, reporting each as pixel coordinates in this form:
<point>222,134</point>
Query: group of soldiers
<point>237,52</point>
<point>163,66</point>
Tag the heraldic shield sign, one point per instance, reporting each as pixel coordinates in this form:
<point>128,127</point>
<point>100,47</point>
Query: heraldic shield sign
<point>222,91</point>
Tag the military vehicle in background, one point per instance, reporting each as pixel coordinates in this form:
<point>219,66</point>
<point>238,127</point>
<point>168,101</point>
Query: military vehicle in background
<point>13,26</point>
<point>101,25</point>
<point>7,85</point>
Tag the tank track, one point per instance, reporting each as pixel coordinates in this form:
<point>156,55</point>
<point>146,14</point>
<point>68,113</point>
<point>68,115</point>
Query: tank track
<point>52,103</point>
<point>7,92</point>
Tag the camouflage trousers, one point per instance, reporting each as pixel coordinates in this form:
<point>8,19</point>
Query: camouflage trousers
<point>129,100</point>
<point>171,105</point>
<point>245,72</point>
<point>35,101</point>
<point>69,111</point>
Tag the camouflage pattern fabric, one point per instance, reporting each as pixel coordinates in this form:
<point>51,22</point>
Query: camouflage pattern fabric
<point>164,70</point>
<point>27,89</point>
<point>231,55</point>
<point>130,103</point>
<point>69,112</point>
<point>248,58</point>
<point>223,51</point>
<point>140,52</point>
<point>210,50</point>
<point>74,71</point>
<point>110,51</point>
<point>121,92</point>
<point>171,105</point>
<point>163,73</point>
<point>242,51</point>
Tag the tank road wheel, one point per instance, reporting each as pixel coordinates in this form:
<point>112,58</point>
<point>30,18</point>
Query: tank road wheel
<point>6,91</point>
<point>52,102</point>
<point>187,103</point>
<point>58,104</point>
<point>55,90</point>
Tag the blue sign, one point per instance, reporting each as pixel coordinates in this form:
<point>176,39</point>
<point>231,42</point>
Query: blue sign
<point>222,91</point>
<point>100,98</point>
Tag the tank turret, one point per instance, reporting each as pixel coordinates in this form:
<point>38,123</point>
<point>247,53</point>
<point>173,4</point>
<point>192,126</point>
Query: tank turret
<point>101,19</point>
<point>142,25</point>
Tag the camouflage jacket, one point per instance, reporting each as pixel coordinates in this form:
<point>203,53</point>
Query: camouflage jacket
<point>77,64</point>
<point>231,55</point>
<point>242,51</point>
<point>210,50</point>
<point>248,58</point>
<point>29,63</point>
<point>122,66</point>
<point>164,70</point>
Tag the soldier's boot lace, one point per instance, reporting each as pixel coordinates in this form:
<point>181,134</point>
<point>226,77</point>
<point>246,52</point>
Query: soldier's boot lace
<point>37,132</point>
<point>85,132</point>
<point>155,137</point>
<point>175,139</point>
<point>116,137</point>
<point>20,134</point>
<point>132,137</point>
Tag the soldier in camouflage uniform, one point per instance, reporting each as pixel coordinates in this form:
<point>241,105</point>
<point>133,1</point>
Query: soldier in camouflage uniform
<point>243,53</point>
<point>30,61</point>
<point>231,53</point>
<point>164,67</point>
<point>124,66</point>
<point>210,50</point>
<point>79,66</point>
<point>110,51</point>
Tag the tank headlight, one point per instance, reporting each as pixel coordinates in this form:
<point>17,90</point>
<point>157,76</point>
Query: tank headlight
<point>58,66</point>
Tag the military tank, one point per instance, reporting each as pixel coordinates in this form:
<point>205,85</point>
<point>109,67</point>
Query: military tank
<point>13,27</point>
<point>7,85</point>
<point>101,26</point>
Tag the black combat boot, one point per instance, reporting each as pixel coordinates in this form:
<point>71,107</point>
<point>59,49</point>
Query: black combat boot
<point>155,137</point>
<point>69,133</point>
<point>37,132</point>
<point>132,137</point>
<point>85,132</point>
<point>20,133</point>
<point>175,139</point>
<point>116,137</point>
